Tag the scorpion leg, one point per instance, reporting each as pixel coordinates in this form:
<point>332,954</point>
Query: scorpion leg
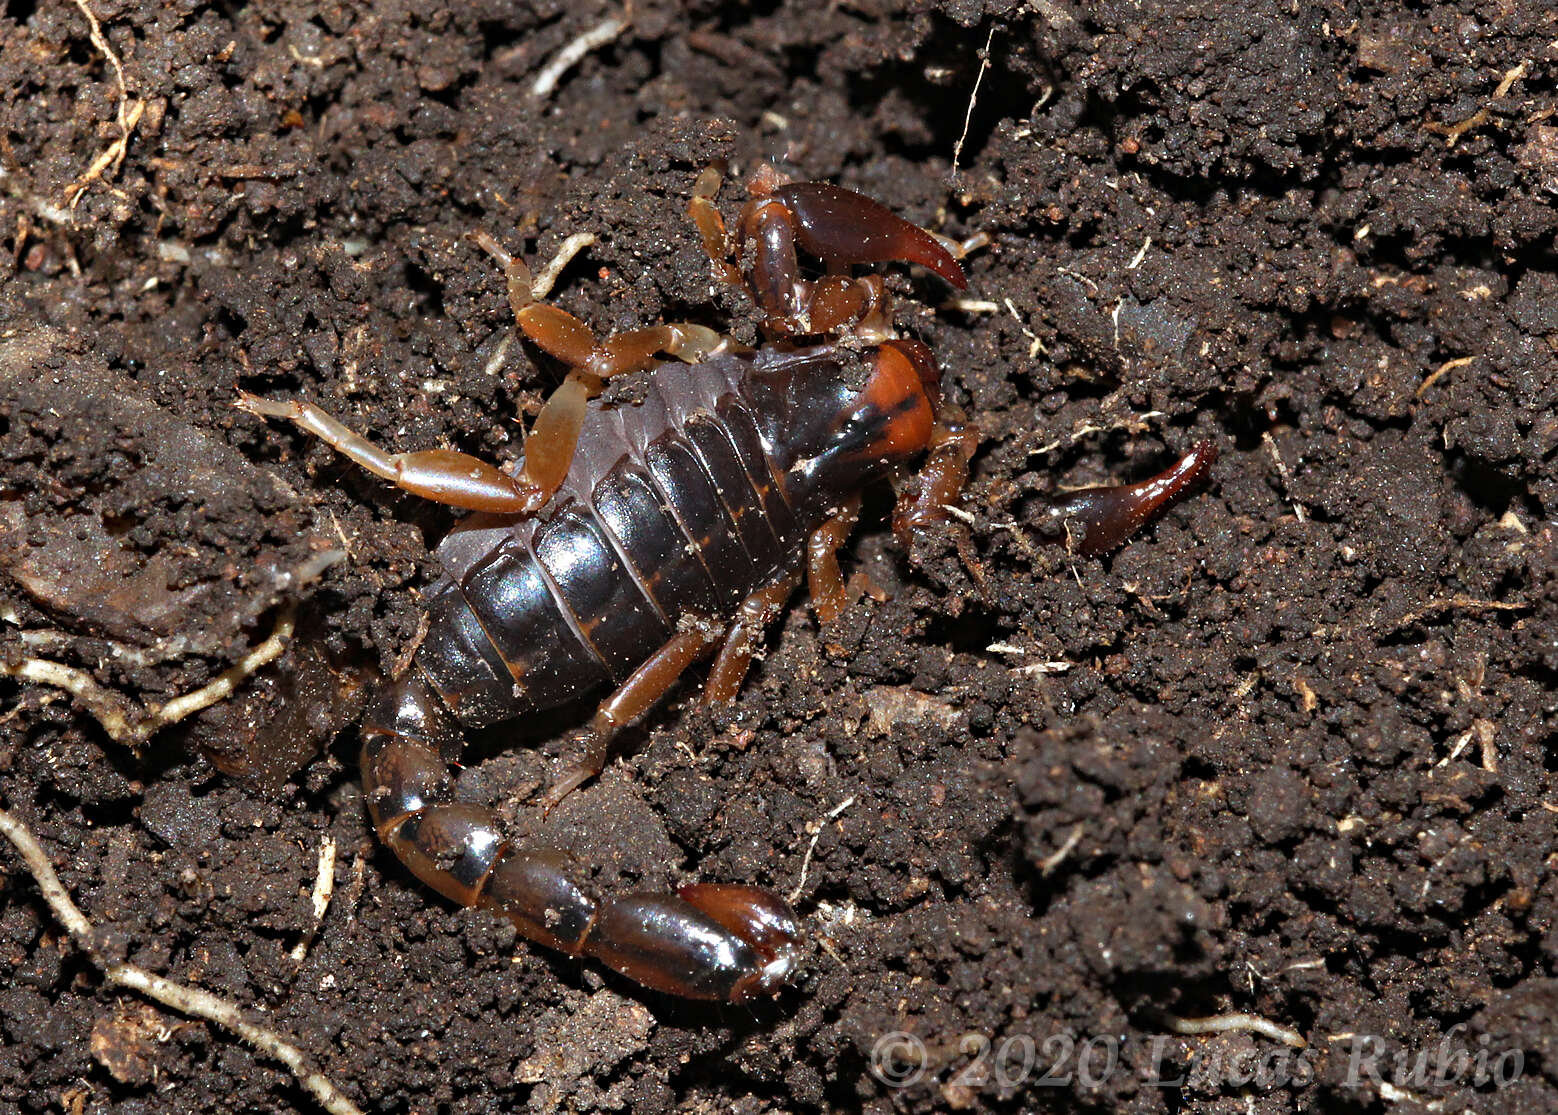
<point>441,475</point>
<point>1096,520</point>
<point>711,226</point>
<point>634,697</point>
<point>735,657</point>
<point>717,942</point>
<point>550,445</point>
<point>461,480</point>
<point>824,581</point>
<point>570,340</point>
<point>951,445</point>
<point>953,441</point>
<point>647,684</point>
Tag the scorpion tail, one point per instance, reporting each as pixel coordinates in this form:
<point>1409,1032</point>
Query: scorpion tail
<point>723,943</point>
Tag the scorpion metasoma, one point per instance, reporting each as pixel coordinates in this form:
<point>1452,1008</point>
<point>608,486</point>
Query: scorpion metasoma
<point>635,539</point>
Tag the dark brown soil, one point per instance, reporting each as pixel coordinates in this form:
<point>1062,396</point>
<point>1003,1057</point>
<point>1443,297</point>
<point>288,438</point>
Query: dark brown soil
<point>1300,761</point>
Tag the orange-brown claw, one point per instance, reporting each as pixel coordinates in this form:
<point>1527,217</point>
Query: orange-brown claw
<point>840,226</point>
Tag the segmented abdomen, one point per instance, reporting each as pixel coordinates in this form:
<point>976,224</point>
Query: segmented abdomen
<point>672,506</point>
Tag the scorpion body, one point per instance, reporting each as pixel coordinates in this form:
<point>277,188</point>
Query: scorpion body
<point>637,539</point>
<point>679,506</point>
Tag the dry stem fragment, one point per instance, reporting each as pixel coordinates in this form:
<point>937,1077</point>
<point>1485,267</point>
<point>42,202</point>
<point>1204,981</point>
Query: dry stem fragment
<point>180,997</point>
<point>131,724</point>
<point>127,119</point>
<point>1230,1023</point>
<point>571,54</point>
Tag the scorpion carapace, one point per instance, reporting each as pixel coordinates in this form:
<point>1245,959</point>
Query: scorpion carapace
<point>637,539</point>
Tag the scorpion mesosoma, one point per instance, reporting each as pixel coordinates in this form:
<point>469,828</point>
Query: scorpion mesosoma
<point>637,539</point>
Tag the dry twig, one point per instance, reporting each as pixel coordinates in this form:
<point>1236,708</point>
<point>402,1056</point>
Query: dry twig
<point>571,54</point>
<point>1230,1023</point>
<point>131,724</point>
<point>127,119</point>
<point>177,996</point>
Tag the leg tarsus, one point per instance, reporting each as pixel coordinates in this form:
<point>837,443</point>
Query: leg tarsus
<point>711,226</point>
<point>829,595</point>
<point>630,700</point>
<point>519,280</point>
<point>861,583</point>
<point>735,657</point>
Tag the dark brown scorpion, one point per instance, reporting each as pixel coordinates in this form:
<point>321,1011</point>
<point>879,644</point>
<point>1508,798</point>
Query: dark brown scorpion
<point>635,540</point>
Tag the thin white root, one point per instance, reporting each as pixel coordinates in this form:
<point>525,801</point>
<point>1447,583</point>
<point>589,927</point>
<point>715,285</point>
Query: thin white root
<point>1299,511</point>
<point>132,725</point>
<point>815,828</point>
<point>1131,423</point>
<point>111,710</point>
<point>177,996</point>
<point>222,686</point>
<point>1048,666</point>
<point>542,284</point>
<point>972,305</point>
<point>113,155</point>
<point>1058,856</point>
<point>1230,1023</point>
<point>968,116</point>
<point>570,56</point>
<point>324,888</point>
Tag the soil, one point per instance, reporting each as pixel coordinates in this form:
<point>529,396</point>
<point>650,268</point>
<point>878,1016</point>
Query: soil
<point>1290,755</point>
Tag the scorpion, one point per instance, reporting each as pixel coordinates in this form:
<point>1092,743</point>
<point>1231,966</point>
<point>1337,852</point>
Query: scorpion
<point>635,539</point>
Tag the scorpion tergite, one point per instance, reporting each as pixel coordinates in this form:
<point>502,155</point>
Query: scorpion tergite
<point>636,539</point>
